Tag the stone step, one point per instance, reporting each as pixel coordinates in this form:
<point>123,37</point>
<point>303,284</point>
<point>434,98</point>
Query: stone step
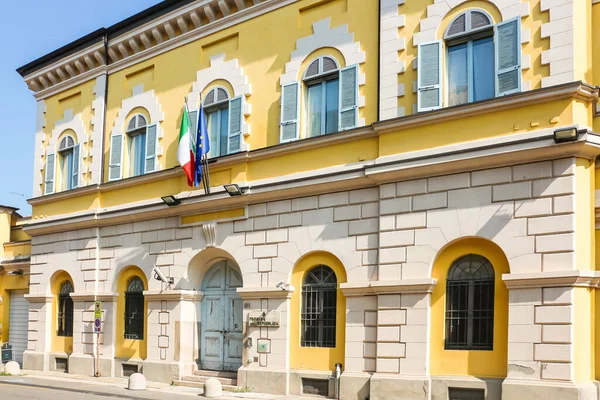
<point>202,379</point>
<point>185,382</point>
<point>216,374</point>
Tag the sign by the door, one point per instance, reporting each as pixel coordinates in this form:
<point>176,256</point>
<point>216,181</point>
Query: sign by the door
<point>264,319</point>
<point>264,345</point>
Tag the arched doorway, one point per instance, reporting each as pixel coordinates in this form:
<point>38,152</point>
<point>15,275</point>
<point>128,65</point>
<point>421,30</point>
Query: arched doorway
<point>221,327</point>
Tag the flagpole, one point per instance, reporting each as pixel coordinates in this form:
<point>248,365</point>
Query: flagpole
<point>206,171</point>
<point>205,181</point>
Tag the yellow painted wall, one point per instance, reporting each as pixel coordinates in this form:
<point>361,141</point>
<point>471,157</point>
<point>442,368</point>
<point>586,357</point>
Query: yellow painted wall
<point>479,363</point>
<point>262,55</point>
<point>62,344</point>
<point>313,358</point>
<point>129,348</point>
<point>79,99</point>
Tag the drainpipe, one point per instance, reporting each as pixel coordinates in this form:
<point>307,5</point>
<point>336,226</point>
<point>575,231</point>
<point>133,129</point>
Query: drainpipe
<point>379,61</point>
<point>338,375</point>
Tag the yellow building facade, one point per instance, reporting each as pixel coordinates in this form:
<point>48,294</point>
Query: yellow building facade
<point>14,281</point>
<point>414,209</point>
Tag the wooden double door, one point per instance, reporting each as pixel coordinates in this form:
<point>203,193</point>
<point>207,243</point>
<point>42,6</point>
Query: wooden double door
<point>221,326</point>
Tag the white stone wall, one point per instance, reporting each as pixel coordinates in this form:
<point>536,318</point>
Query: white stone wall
<point>540,333</point>
<point>387,233</point>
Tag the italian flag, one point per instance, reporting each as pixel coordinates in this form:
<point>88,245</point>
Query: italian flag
<point>186,151</point>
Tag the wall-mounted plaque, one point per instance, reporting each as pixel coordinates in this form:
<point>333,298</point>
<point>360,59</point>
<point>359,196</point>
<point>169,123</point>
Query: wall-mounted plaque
<point>264,345</point>
<point>264,318</point>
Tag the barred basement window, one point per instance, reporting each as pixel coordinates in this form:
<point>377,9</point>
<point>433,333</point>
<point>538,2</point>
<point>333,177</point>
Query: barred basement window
<point>65,310</point>
<point>319,303</point>
<point>470,304</point>
<point>134,309</point>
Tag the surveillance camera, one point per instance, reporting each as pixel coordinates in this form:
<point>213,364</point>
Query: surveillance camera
<point>281,285</point>
<point>159,276</point>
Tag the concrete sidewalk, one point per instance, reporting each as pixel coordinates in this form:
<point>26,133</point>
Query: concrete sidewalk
<point>117,387</point>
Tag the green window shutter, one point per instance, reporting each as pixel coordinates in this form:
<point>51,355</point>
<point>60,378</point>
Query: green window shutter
<point>75,169</point>
<point>115,171</point>
<point>508,56</point>
<point>429,94</point>
<point>290,100</point>
<point>348,97</point>
<point>50,167</point>
<point>151,145</point>
<point>236,120</point>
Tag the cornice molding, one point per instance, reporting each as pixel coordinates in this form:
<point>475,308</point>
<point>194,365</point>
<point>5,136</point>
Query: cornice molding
<point>358,289</point>
<point>575,278</point>
<point>188,295</point>
<point>265,293</point>
<point>177,28</point>
<point>577,90</point>
<point>107,297</point>
<point>39,298</point>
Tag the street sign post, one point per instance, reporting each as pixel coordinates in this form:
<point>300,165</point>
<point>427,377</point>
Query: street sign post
<point>97,316</point>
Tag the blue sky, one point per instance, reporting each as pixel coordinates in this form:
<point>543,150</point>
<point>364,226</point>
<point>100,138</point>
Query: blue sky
<point>32,29</point>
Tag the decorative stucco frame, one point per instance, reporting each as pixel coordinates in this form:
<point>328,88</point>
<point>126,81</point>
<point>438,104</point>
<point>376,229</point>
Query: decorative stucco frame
<point>324,36</point>
<point>149,102</point>
<point>231,72</point>
<point>74,123</point>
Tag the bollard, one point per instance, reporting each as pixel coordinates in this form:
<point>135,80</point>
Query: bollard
<point>137,382</point>
<point>212,388</point>
<point>12,367</point>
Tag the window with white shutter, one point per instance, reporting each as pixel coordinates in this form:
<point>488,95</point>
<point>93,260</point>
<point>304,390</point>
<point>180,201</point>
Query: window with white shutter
<point>75,168</point>
<point>151,145</point>
<point>482,61</point>
<point>290,101</point>
<point>429,96</point>
<point>236,120</point>
<point>508,57</point>
<point>116,157</point>
<point>348,97</point>
<point>49,181</point>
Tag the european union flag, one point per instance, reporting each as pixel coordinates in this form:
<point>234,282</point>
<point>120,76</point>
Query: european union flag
<point>203,146</point>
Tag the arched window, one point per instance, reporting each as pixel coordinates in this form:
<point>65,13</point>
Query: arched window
<point>471,71</point>
<point>65,310</point>
<point>322,80</point>
<point>134,309</point>
<point>319,306</point>
<point>470,304</point>
<point>136,133</point>
<point>69,162</point>
<point>216,107</point>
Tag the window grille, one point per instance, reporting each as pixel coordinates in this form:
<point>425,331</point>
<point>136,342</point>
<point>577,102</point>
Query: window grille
<point>136,123</point>
<point>65,310</point>
<point>469,22</point>
<point>319,305</point>
<point>134,309</point>
<point>320,66</point>
<point>66,143</point>
<point>215,96</point>
<point>470,304</point>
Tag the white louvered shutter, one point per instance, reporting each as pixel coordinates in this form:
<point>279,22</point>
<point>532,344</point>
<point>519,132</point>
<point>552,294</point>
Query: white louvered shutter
<point>50,168</point>
<point>151,145</point>
<point>75,176</point>
<point>290,99</point>
<point>348,98</point>
<point>116,157</point>
<point>236,121</point>
<point>194,123</point>
<point>430,76</point>
<point>508,56</point>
